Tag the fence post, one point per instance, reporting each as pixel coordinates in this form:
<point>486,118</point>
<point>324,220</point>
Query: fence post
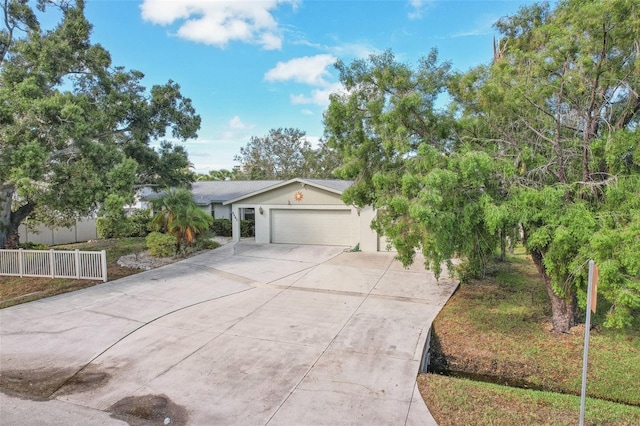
<point>77,259</point>
<point>20,265</point>
<point>51,264</point>
<point>104,265</point>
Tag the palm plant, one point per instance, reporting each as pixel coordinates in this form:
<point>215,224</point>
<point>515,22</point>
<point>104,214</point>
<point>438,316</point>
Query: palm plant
<point>178,215</point>
<point>189,223</point>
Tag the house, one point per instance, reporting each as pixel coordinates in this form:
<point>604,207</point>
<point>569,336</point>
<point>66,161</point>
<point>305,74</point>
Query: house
<point>296,211</point>
<point>211,195</point>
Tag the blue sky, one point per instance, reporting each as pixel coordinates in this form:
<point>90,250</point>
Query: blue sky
<point>252,66</point>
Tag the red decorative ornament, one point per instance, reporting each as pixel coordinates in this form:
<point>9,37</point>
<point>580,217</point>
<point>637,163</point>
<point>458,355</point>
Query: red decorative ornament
<point>298,196</point>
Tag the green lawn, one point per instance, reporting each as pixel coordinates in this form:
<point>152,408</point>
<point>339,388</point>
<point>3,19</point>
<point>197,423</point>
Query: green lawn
<point>464,402</point>
<point>499,327</point>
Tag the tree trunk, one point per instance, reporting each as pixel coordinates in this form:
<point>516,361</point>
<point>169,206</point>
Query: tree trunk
<point>503,245</point>
<point>10,220</point>
<point>563,309</point>
<point>6,196</point>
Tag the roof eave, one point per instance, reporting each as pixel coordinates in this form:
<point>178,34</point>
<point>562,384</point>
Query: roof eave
<point>281,184</point>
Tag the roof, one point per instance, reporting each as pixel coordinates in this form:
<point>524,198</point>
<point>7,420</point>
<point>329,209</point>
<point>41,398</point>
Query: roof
<point>228,191</point>
<point>331,185</point>
<point>219,191</point>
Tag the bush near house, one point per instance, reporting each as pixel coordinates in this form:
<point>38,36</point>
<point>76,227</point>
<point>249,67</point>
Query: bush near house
<point>161,245</point>
<point>221,227</point>
<point>140,221</point>
<point>247,228</point>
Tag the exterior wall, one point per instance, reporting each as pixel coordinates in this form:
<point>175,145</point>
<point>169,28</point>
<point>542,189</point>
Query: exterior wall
<point>286,195</point>
<point>220,211</point>
<point>206,209</point>
<point>313,198</point>
<point>368,237</point>
<point>84,230</point>
<point>360,222</point>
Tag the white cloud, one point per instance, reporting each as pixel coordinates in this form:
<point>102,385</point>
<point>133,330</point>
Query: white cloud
<point>310,70</point>
<point>418,7</point>
<point>237,124</point>
<point>319,96</point>
<point>218,22</point>
<point>306,111</point>
<point>235,129</point>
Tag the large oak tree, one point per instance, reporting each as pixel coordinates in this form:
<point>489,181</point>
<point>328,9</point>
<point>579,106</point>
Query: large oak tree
<point>73,128</point>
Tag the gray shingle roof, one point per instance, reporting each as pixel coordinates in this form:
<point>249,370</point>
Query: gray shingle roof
<point>218,191</point>
<point>338,185</point>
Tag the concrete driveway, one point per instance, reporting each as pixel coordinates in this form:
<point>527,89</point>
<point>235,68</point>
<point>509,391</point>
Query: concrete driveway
<point>245,334</point>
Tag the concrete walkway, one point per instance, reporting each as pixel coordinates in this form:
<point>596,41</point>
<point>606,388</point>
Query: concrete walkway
<point>245,334</point>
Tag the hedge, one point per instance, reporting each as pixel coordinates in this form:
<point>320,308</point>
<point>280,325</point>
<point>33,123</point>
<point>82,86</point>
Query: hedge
<point>222,228</point>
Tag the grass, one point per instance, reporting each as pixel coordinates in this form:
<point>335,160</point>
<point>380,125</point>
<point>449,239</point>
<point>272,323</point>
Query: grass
<point>455,401</point>
<point>499,327</point>
<point>15,290</point>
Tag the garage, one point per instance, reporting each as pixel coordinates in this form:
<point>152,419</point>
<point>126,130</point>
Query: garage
<point>311,226</point>
<point>305,211</point>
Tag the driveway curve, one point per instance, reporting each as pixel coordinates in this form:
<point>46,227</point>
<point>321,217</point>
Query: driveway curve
<point>246,334</point>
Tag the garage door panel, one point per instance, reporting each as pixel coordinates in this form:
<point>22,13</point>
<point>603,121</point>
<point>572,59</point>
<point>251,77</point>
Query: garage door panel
<point>327,227</point>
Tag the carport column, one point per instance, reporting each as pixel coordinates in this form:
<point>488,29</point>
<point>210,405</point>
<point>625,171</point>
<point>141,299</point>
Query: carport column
<point>235,223</point>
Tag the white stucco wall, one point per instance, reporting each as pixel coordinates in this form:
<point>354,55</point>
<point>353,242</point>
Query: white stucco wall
<point>313,198</point>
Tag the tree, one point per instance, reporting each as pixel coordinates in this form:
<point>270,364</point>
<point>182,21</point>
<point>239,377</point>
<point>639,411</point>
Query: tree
<point>563,107</point>
<point>284,154</point>
<point>542,144</point>
<point>74,129</point>
<point>178,215</point>
<point>398,149</point>
<point>222,174</point>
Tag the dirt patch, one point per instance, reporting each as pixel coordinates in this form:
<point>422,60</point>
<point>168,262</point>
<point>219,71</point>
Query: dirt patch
<point>149,410</point>
<point>36,385</point>
<point>85,380</point>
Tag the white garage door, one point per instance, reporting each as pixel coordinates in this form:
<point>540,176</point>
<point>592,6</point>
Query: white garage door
<point>327,227</point>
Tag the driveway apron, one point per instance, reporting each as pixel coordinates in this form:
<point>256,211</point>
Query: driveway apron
<point>246,334</point>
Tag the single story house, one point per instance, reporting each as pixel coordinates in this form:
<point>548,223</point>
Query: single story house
<point>296,211</point>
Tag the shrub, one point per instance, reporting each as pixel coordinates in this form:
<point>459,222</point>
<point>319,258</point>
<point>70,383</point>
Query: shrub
<point>205,244</point>
<point>247,228</point>
<point>120,226</point>
<point>113,227</point>
<point>221,227</point>
<point>161,245</point>
<point>139,220</point>
<point>33,246</point>
<point>199,245</point>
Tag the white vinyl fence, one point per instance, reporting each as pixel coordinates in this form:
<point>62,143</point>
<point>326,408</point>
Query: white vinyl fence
<point>86,265</point>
